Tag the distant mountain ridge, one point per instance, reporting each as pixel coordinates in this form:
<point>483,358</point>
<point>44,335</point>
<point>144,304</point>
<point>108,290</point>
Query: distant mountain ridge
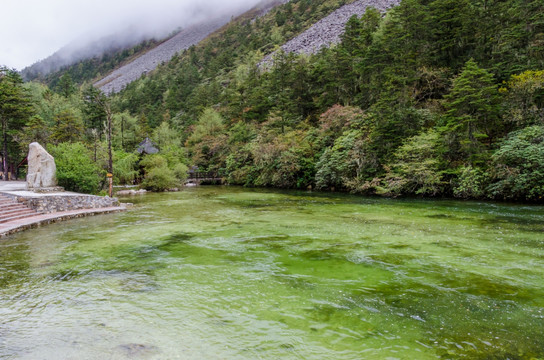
<point>324,33</point>
<point>77,51</point>
<point>123,57</point>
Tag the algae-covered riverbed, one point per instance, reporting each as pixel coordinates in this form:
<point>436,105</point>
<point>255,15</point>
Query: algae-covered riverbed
<point>232,273</point>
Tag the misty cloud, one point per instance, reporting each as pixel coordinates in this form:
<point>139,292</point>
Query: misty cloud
<point>38,28</point>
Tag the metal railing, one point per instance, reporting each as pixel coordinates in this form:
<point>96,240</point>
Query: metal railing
<point>198,175</point>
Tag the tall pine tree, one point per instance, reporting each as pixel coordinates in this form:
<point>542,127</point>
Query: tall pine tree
<point>15,109</point>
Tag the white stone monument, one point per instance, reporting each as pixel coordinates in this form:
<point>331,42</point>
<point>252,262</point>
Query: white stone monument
<point>41,175</point>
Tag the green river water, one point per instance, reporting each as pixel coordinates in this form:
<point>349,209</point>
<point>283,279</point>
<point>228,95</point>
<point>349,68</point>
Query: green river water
<point>232,273</point>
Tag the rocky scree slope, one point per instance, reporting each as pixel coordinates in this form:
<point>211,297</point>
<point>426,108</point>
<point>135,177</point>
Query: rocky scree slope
<point>121,77</point>
<point>327,31</point>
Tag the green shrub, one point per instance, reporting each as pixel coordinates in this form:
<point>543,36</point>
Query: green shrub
<point>415,169</point>
<point>472,183</point>
<point>124,167</point>
<point>180,172</point>
<point>158,176</point>
<point>75,169</point>
<point>337,165</point>
<point>519,164</point>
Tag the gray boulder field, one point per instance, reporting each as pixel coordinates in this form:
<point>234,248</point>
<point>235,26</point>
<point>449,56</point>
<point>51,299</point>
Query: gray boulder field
<point>328,31</point>
<point>324,33</point>
<point>121,77</point>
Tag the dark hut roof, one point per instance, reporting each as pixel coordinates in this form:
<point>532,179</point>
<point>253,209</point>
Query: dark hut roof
<point>147,147</point>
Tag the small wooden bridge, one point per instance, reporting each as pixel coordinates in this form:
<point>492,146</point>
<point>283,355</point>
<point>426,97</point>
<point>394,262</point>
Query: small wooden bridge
<point>199,177</point>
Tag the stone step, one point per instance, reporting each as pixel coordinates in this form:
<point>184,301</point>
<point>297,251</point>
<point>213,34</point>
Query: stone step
<point>11,209</point>
<point>9,201</point>
<point>10,204</point>
<point>22,210</point>
<point>13,205</point>
<point>17,217</point>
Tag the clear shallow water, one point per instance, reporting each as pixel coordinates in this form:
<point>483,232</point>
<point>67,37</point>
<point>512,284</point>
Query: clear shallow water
<point>231,273</point>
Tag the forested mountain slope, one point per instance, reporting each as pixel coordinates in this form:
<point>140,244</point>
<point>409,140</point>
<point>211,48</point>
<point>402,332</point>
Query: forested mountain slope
<point>432,98</point>
<point>328,31</point>
<point>129,54</point>
<point>148,61</point>
<point>425,100</point>
<point>163,52</point>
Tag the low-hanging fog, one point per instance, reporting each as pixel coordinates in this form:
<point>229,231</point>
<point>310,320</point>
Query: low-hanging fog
<point>38,28</point>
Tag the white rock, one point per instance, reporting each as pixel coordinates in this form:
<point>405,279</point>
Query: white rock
<point>41,168</point>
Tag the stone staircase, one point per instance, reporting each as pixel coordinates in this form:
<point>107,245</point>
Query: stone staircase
<point>11,210</point>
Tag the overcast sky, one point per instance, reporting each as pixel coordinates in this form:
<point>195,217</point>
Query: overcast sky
<point>31,30</point>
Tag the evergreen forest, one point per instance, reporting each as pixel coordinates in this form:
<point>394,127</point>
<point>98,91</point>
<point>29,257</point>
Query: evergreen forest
<point>433,98</point>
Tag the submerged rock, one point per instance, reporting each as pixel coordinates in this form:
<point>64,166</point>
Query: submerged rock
<point>135,350</point>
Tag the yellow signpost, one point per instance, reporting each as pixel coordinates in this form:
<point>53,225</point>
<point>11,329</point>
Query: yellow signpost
<point>110,179</point>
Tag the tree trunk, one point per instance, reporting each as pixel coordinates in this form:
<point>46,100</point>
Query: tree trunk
<point>5,150</point>
<point>95,143</point>
<point>110,156</point>
<point>123,132</point>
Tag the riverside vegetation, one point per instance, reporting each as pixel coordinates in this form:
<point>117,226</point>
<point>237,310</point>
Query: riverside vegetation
<point>434,98</point>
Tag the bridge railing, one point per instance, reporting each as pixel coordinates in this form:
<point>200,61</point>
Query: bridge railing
<point>205,175</point>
